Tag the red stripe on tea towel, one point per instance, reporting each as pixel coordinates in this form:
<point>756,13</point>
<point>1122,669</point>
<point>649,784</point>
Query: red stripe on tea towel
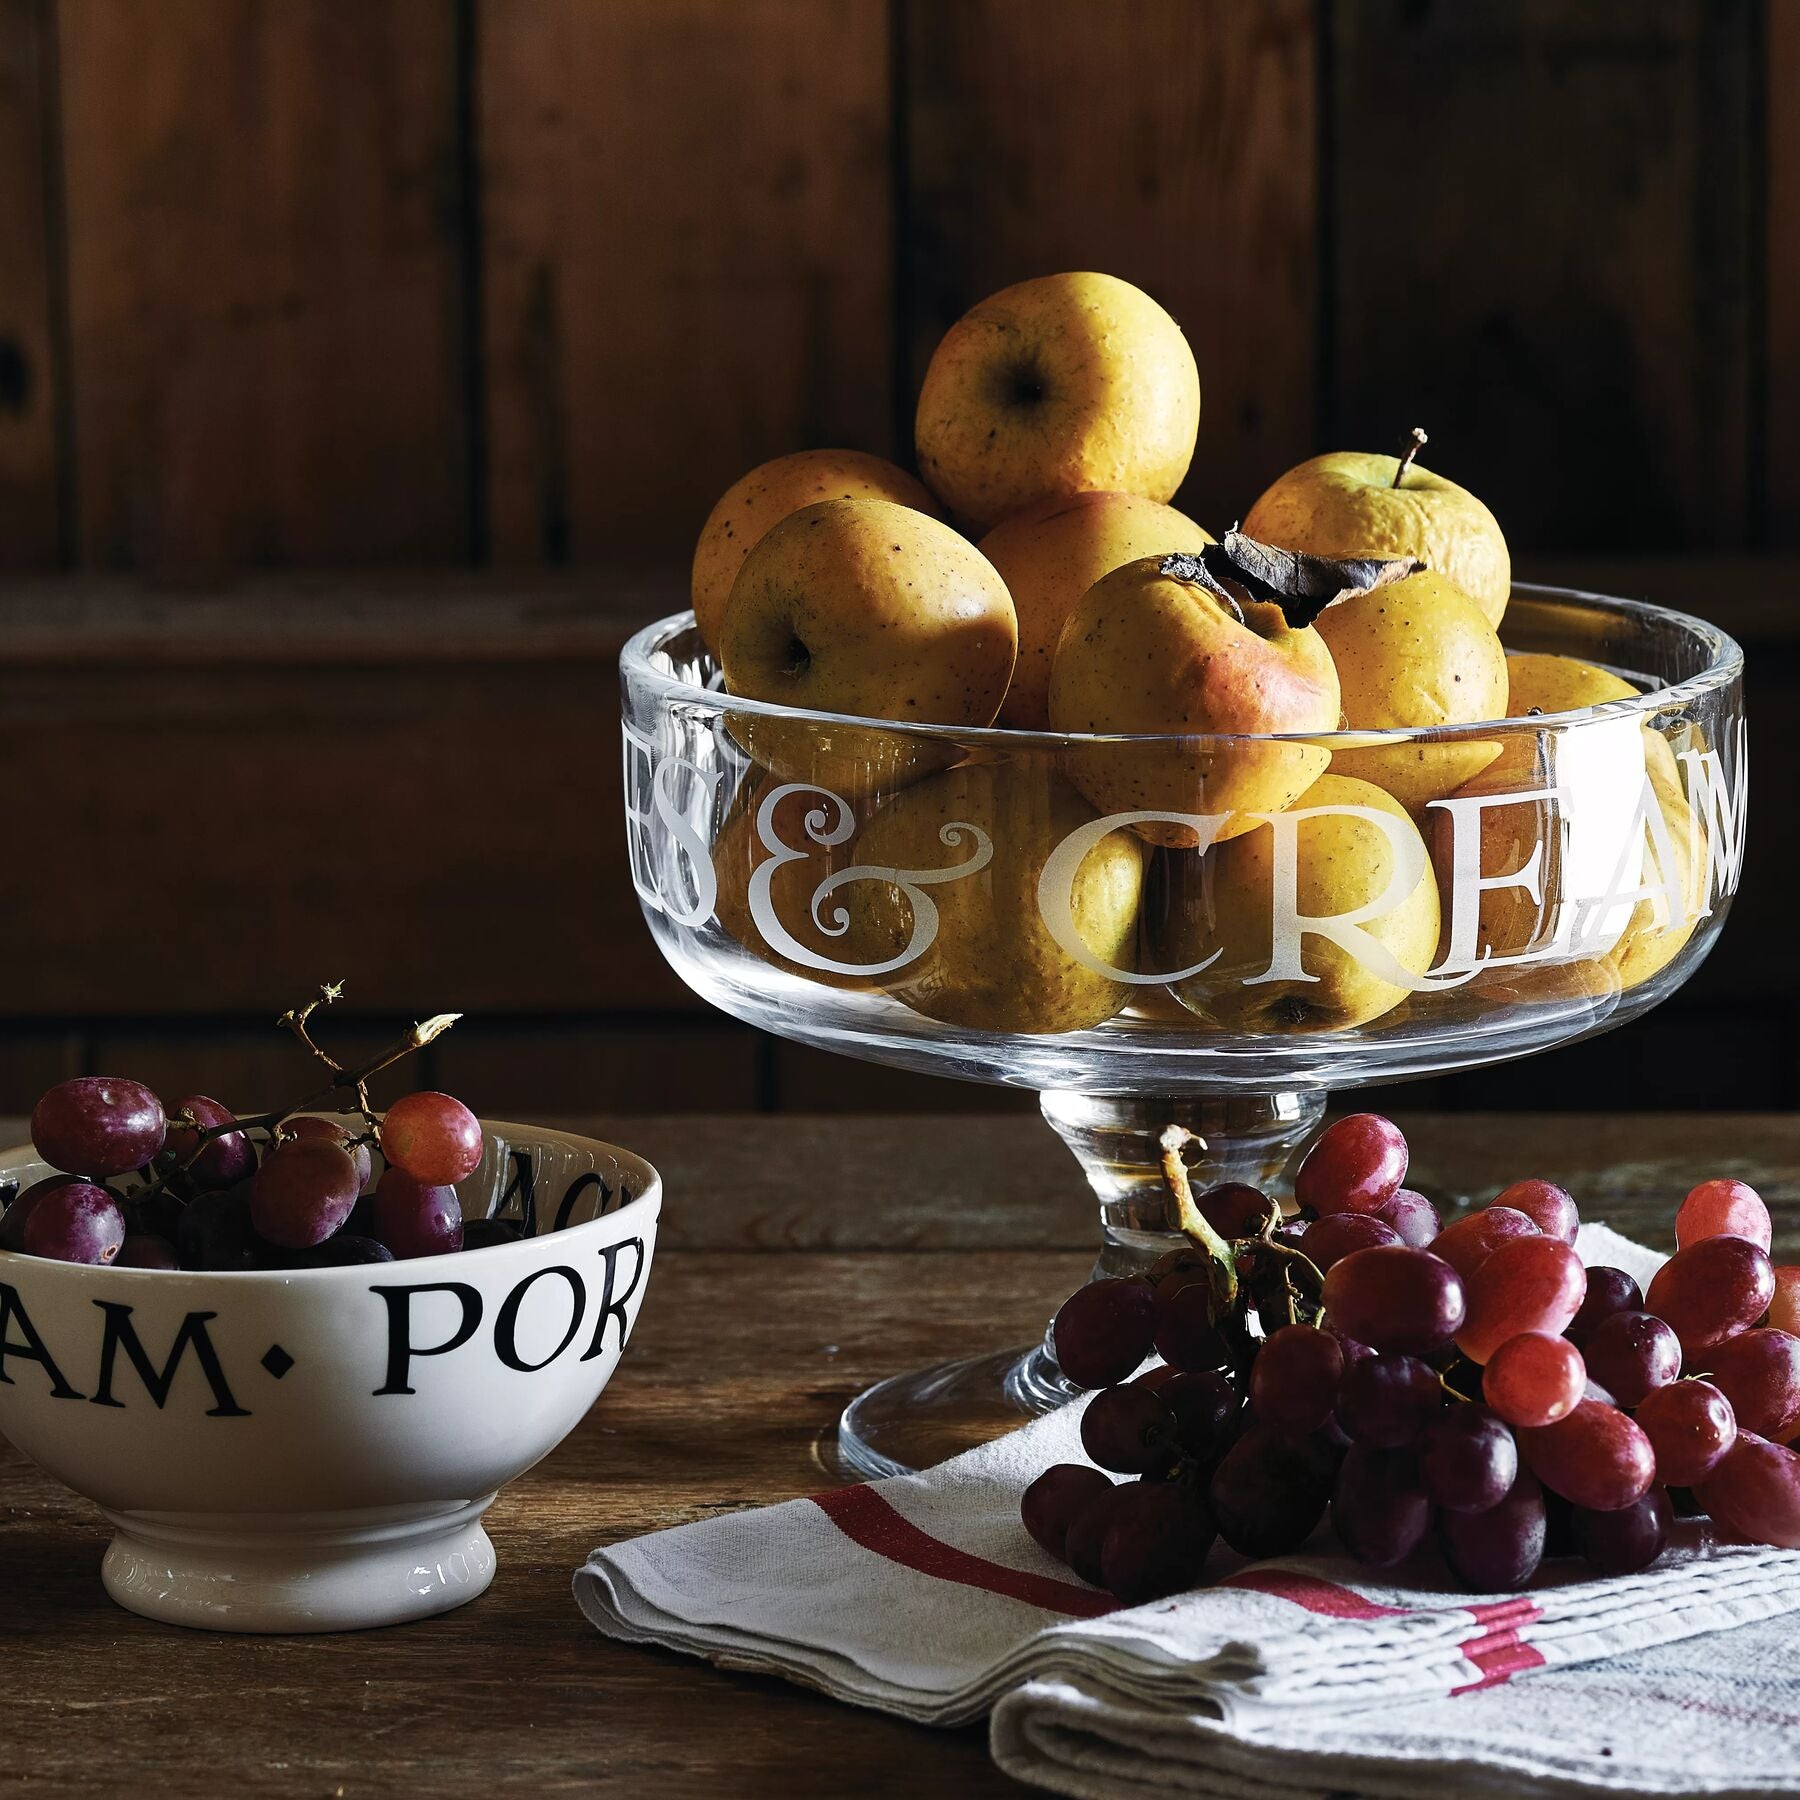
<point>864,1517</point>
<point>1496,1650</point>
<point>1499,1652</point>
<point>1311,1592</point>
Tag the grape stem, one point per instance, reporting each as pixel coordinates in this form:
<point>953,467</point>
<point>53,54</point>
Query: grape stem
<point>343,1080</point>
<point>295,1020</point>
<point>1222,1264</point>
<point>1302,1286</point>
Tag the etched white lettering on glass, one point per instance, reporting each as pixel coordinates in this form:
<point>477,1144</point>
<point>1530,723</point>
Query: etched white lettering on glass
<point>834,921</point>
<point>1056,888</point>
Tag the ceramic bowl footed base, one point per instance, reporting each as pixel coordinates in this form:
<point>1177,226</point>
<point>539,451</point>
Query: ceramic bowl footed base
<point>313,1450</point>
<point>300,1572</point>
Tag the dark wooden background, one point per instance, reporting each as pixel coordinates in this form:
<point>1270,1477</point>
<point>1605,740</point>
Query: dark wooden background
<point>367,367</point>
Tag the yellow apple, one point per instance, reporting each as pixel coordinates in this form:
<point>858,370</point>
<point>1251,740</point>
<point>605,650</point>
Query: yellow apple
<point>1663,921</point>
<point>1051,554</point>
<point>1417,652</point>
<point>1346,504</point>
<point>873,609</point>
<point>740,850</point>
<point>993,962</point>
<point>1510,919</point>
<point>1068,384</point>
<point>1152,651</point>
<point>768,494</point>
<point>1327,970</point>
<point>1540,682</point>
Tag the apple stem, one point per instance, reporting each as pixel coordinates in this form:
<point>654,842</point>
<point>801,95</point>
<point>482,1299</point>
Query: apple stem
<point>1417,442</point>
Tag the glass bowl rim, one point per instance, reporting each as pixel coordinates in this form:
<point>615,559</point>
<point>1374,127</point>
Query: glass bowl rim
<point>1725,666</point>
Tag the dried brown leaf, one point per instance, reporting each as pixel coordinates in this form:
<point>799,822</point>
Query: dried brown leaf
<point>1239,568</point>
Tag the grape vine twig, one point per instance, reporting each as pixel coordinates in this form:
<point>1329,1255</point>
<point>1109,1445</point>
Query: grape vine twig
<point>343,1081</point>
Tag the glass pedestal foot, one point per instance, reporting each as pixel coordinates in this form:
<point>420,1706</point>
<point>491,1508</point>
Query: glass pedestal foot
<point>911,1421</point>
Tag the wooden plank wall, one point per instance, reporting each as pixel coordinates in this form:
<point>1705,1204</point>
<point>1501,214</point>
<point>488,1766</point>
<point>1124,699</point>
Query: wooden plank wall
<point>285,282</point>
<point>520,285</point>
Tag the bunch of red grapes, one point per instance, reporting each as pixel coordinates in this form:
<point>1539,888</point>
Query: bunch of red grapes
<point>1472,1384</point>
<point>213,1192</point>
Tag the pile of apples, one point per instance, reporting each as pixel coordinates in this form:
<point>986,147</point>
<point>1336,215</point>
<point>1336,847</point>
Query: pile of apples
<point>1038,578</point>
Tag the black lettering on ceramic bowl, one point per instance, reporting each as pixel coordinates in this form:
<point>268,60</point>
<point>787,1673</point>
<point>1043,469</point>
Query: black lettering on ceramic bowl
<point>31,1349</point>
<point>398,1298</point>
<point>118,1332</point>
<point>506,1321</point>
<point>401,1348</point>
<point>610,1199</point>
<point>121,1334</point>
<point>613,1306</point>
<point>524,1186</point>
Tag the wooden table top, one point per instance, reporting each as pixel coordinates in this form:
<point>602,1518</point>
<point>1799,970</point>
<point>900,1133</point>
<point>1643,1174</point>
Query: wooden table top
<point>802,1259</point>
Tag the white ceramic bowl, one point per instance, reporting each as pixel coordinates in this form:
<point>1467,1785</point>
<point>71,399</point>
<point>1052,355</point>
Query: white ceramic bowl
<point>314,1450</point>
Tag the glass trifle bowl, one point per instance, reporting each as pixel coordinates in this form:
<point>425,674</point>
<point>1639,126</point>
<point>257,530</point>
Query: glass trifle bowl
<point>1132,928</point>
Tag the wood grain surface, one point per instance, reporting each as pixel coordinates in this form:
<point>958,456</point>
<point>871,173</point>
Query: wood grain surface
<point>31,376</point>
<point>1544,242</point>
<point>688,245</point>
<point>801,1260</point>
<point>1171,142</point>
<point>265,296</point>
<point>284,281</point>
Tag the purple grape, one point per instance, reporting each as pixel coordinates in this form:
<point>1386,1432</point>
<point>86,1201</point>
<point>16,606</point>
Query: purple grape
<point>1396,1298</point>
<point>1128,1429</point>
<point>154,1215</point>
<point>1759,1373</point>
<point>1294,1381</point>
<point>224,1161</point>
<point>1559,1526</point>
<point>415,1219</point>
<point>1205,1406</point>
<point>1468,1459</point>
<point>1270,1491</point>
<point>483,1234</point>
<point>77,1222</point>
<point>1101,1332</point>
<point>216,1234</point>
<point>1051,1504</point>
<point>1333,1237</point>
<point>98,1125</point>
<point>1497,1551</point>
<point>1085,1538</point>
<point>302,1193</point>
<point>1412,1216</point>
<point>1630,1354</point>
<point>310,1125</point>
<point>147,1253</point>
<point>340,1252</point>
<point>1234,1209</point>
<point>1628,1539</point>
<point>1609,1291</point>
<point>1378,1507</point>
<point>1387,1401</point>
<point>1156,1541</point>
<point>12,1221</point>
<point>1186,1335</point>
